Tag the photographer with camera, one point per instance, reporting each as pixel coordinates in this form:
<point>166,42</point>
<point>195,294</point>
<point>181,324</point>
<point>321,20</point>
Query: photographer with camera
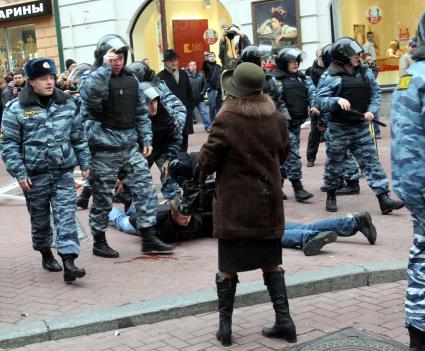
<point>229,52</point>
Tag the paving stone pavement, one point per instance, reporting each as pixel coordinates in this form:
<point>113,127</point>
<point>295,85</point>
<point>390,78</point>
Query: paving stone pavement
<point>28,293</point>
<point>378,309</point>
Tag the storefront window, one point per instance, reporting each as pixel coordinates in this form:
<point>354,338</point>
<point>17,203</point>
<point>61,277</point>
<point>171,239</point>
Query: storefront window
<point>382,27</point>
<point>17,46</point>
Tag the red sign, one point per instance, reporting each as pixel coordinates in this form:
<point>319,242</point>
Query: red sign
<point>189,42</point>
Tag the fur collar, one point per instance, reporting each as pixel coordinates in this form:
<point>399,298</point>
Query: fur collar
<point>28,97</point>
<point>250,106</point>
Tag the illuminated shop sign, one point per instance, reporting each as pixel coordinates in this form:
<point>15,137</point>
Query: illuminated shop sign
<point>25,10</point>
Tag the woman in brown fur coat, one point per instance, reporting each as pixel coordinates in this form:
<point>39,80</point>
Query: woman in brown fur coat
<point>247,144</point>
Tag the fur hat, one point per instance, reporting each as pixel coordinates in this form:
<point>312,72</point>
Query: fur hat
<point>39,67</point>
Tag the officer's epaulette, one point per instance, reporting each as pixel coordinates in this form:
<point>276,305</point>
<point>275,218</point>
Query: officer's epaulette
<point>404,82</point>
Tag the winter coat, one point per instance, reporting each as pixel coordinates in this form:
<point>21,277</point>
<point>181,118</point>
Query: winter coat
<point>246,146</point>
<point>408,137</point>
<point>37,139</point>
<point>183,91</point>
<point>198,84</point>
<point>94,91</point>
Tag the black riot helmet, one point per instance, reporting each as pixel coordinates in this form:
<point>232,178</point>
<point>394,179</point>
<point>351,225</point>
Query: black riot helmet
<point>344,49</point>
<point>143,72</point>
<point>254,53</point>
<point>288,54</point>
<point>78,71</point>
<point>327,55</point>
<point>111,41</point>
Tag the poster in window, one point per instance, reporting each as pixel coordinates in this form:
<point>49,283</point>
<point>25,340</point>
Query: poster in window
<point>276,23</point>
<point>359,33</point>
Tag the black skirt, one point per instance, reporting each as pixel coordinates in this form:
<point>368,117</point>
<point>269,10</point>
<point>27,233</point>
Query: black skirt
<point>246,255</point>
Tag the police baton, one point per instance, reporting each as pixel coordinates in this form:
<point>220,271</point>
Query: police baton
<point>295,154</point>
<point>361,115</point>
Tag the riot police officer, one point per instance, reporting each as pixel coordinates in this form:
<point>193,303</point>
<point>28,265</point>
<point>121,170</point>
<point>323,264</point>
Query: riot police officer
<point>408,143</point>
<point>351,95</point>
<point>296,95</point>
<point>349,174</point>
<point>117,126</point>
<point>42,142</point>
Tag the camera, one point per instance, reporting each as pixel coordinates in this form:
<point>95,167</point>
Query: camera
<point>198,190</point>
<point>231,33</point>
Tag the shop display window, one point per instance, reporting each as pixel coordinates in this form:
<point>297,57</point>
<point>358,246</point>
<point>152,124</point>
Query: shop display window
<point>17,46</point>
<point>380,26</point>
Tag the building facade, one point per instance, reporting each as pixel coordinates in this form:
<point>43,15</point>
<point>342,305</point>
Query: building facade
<point>139,21</point>
<point>194,26</point>
<point>27,30</point>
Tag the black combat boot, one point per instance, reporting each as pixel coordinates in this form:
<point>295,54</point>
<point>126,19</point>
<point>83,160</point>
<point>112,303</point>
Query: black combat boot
<point>101,247</point>
<point>417,339</point>
<point>352,187</point>
<point>331,201</point>
<point>70,270</point>
<point>226,290</point>
<point>387,205</point>
<point>49,262</point>
<point>84,197</point>
<point>300,193</point>
<point>314,245</point>
<point>152,244</point>
<point>366,227</point>
<point>284,326</point>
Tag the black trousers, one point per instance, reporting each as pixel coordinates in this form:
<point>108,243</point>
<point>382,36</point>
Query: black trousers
<point>313,140</point>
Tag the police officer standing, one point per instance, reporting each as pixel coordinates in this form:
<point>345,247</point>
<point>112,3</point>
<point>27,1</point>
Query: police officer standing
<point>408,143</point>
<point>118,126</point>
<point>42,142</point>
<point>351,95</point>
<point>296,94</point>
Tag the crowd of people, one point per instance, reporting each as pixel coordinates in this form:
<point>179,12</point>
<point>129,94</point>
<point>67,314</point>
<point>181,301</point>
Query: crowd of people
<point>115,121</point>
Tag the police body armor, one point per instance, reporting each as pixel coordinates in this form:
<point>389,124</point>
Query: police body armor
<point>120,109</point>
<point>357,91</point>
<point>160,130</point>
<point>296,98</point>
<point>269,87</point>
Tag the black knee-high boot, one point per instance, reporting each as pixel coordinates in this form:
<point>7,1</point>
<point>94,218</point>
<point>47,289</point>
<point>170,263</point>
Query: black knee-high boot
<point>284,326</point>
<point>417,339</point>
<point>226,290</point>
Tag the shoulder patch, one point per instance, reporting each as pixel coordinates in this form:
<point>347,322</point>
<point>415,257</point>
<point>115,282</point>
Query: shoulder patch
<point>404,82</point>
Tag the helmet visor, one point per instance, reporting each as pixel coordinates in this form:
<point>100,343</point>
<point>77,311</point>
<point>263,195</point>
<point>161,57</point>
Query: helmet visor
<point>118,44</point>
<point>295,54</point>
<point>355,48</point>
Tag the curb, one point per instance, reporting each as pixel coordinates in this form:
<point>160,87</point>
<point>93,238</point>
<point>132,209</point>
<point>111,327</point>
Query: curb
<point>156,310</point>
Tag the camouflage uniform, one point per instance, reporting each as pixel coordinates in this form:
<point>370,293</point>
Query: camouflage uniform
<point>176,115</point>
<point>354,137</point>
<point>116,155</point>
<point>349,168</point>
<point>44,145</point>
<point>172,103</point>
<point>292,166</point>
<point>408,143</point>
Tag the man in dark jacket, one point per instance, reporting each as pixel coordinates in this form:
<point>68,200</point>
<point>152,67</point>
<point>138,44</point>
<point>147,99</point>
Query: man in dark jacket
<point>199,87</point>
<point>212,73</point>
<point>178,82</point>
